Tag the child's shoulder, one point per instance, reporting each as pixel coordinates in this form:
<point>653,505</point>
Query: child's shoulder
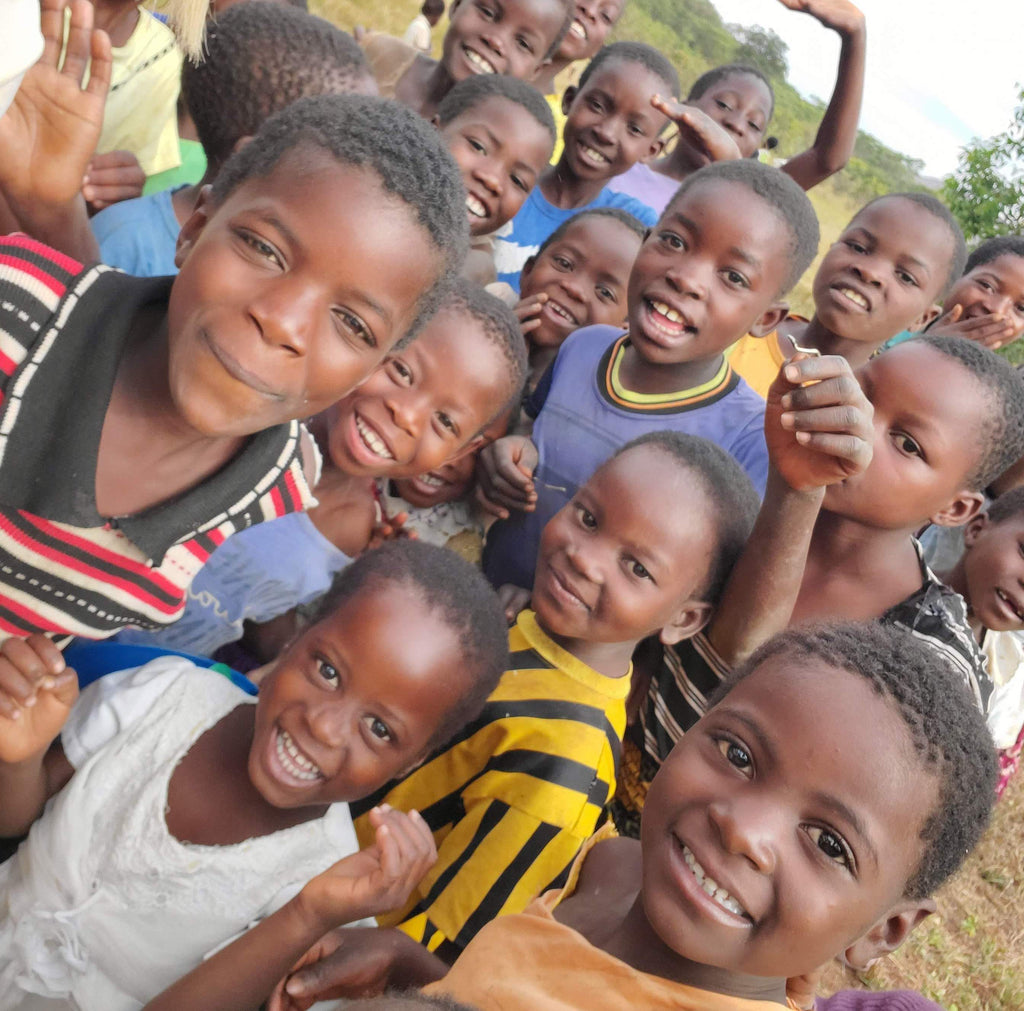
<point>389,58</point>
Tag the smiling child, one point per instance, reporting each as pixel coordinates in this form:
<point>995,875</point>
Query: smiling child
<point>170,788</point>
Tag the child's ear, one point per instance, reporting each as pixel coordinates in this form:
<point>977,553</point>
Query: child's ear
<point>888,933</point>
<point>929,316</point>
<point>527,267</point>
<point>770,319</point>
<point>960,510</point>
<point>567,96</point>
<point>193,227</point>
<point>435,121</point>
<point>656,149</point>
<point>687,622</point>
<point>974,528</point>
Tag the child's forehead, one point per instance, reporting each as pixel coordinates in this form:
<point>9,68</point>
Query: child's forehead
<point>750,87</point>
<point>505,117</point>
<point>622,77</point>
<point>1008,267</point>
<point>897,220</point>
<point>545,15</point>
<point>601,238</point>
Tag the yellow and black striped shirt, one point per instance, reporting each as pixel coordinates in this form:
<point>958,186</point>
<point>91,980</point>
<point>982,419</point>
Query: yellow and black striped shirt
<point>511,799</point>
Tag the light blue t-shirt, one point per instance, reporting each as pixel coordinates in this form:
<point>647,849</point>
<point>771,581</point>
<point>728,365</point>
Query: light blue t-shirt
<point>517,240</point>
<point>644,184</point>
<point>139,236</point>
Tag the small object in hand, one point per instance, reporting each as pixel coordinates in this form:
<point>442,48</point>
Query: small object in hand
<point>813,352</point>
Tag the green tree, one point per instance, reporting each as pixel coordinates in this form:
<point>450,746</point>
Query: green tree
<point>761,48</point>
<point>986,192</point>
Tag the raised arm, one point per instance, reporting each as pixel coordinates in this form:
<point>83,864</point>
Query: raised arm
<point>837,133</point>
<point>817,435</point>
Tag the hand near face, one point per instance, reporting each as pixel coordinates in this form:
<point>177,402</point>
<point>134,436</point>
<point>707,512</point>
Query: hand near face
<point>818,423</point>
<point>374,880</point>
<point>505,476</point>
<point>699,130</point>
<point>528,311</point>
<point>36,694</point>
<point>991,329</point>
<point>839,15</point>
<point>50,131</point>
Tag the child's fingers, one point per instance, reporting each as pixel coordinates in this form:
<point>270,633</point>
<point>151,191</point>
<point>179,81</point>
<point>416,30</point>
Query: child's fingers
<point>841,389</point>
<point>836,418</point>
<point>668,106</point>
<point>15,686</point>
<point>79,47</point>
<point>809,369</point>
<point>101,65</point>
<point>489,506</point>
<point>839,446</point>
<point>51,24</point>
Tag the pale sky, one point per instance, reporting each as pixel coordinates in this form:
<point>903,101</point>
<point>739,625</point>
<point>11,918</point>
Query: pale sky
<point>939,72</point>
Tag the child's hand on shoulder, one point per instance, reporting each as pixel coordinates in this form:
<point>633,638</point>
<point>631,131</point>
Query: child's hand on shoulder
<point>699,130</point>
<point>839,15</point>
<point>528,311</point>
<point>50,131</point>
<point>818,423</point>
<point>504,473</point>
<point>37,691</point>
<point>374,880</point>
<point>992,329</point>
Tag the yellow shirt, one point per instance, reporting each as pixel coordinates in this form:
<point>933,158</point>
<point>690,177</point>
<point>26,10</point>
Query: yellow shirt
<point>758,359</point>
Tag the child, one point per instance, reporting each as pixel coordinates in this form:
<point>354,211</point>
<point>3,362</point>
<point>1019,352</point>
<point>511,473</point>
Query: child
<point>430,402</point>
<point>895,258</point>
<point>512,37</point>
<point>948,416</point>
<point>741,100</point>
<point>577,278</point>
<point>778,835</point>
<point>260,57</point>
<point>611,124</point>
<point>500,133</point>
<point>170,791</point>
<point>417,34</point>
<point>987,303</point>
<point>136,392</point>
<point>736,237</point>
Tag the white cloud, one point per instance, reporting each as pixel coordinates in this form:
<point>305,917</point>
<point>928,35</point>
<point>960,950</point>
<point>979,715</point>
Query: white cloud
<point>938,71</point>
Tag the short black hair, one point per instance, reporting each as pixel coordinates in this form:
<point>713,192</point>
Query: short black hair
<point>500,326</point>
<point>946,729</point>
<point>624,218</point>
<point>402,149</point>
<point>460,596</point>
<point>938,209</point>
<point>733,500</point>
<point>432,8</point>
<point>261,57</point>
<point>711,77</point>
<point>634,52</point>
<point>468,94</point>
<point>1000,435</point>
<point>1009,505</point>
<point>781,193</point>
<point>992,249</point>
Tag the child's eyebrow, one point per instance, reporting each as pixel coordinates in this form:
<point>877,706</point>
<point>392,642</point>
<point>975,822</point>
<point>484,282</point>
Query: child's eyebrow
<point>745,257</point>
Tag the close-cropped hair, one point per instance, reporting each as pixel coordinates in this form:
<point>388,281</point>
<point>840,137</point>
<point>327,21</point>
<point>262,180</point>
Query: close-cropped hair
<point>992,249</point>
<point>1008,506</point>
<point>400,148</point>
<point>1000,435</point>
<point>457,593</point>
<point>261,57</point>
<point>732,501</point>
<point>624,218</point>
<point>711,77</point>
<point>500,327</point>
<point>432,8</point>
<point>949,736</point>
<point>781,193</point>
<point>937,209</point>
<point>468,94</point>
<point>634,52</point>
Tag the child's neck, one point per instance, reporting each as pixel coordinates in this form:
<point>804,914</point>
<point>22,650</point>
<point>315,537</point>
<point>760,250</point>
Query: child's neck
<point>957,579</point>
<point>612,659</point>
<point>544,82</point>
<point>644,377</point>
<point>117,18</point>
<point>345,511</point>
<point>814,334</point>
<point>563,188</point>
<point>681,161</point>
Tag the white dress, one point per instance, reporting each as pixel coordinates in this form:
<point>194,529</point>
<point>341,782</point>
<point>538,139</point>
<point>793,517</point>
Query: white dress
<point>101,908</point>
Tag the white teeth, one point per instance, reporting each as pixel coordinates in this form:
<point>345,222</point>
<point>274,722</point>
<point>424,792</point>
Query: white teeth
<point>710,886</point>
<point>667,311</point>
<point>372,441</point>
<point>593,156</point>
<point>483,66</point>
<point>579,30</point>
<point>475,207</point>
<point>559,311</point>
<point>294,761</point>
<point>854,296</point>
<point>431,481</point>
<point>1010,604</point>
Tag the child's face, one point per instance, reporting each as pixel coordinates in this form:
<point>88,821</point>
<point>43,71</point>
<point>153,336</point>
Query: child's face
<point>616,563</point>
<point>584,275</point>
<point>741,104</point>
<point>884,272</point>
<point>290,293</point>
<point>447,483</point>
<point>780,830</point>
<point>424,405</point>
<point>352,704</point>
<point>500,37</point>
<point>996,286</point>
<point>589,30</point>
<point>709,272</point>
<point>500,150</point>
<point>611,123</point>
<point>926,407</point>
<point>994,569</point>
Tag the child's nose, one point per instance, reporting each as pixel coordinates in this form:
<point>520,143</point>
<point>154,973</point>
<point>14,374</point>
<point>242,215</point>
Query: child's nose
<point>746,829</point>
<point>282,315</point>
<point>686,277</point>
<point>868,270</point>
<point>330,723</point>
<point>488,176</point>
<point>406,411</point>
<point>585,562</point>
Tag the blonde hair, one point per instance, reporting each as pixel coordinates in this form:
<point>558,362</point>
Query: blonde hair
<point>188,19</point>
